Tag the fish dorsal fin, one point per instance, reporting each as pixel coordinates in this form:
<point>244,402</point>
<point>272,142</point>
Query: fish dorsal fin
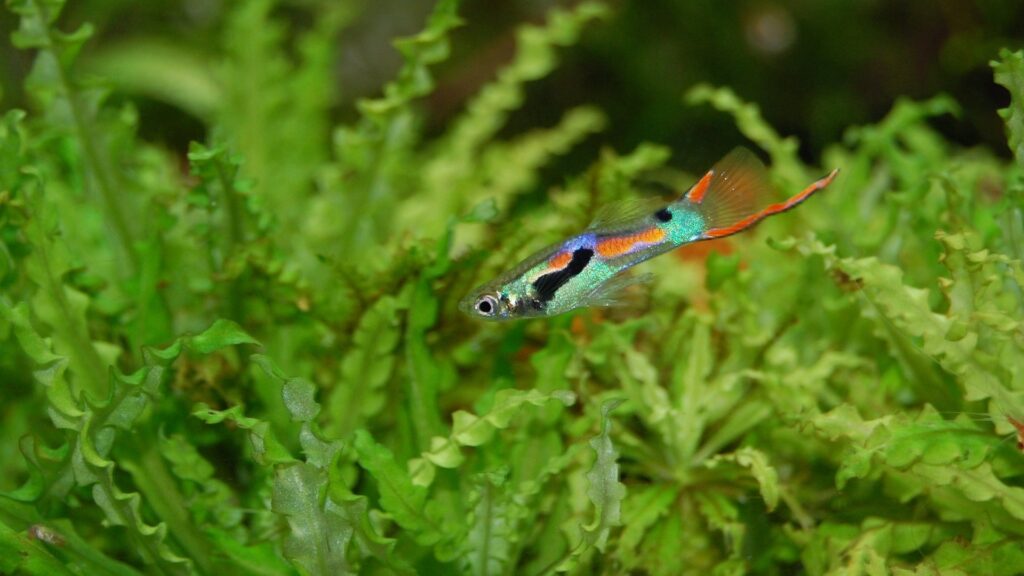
<point>611,292</point>
<point>735,188</point>
<point>625,214</point>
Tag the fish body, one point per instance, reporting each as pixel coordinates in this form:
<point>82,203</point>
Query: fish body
<point>586,270</point>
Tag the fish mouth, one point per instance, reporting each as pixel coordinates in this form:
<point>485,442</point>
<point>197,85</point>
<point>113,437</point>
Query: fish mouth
<point>466,304</point>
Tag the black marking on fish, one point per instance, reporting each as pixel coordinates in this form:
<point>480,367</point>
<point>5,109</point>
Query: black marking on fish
<point>663,215</point>
<point>548,284</point>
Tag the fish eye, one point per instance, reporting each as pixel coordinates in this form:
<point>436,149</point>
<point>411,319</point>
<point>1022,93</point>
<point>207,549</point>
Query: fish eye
<point>486,305</point>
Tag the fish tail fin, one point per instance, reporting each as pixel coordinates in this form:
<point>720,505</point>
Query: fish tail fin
<point>731,195</point>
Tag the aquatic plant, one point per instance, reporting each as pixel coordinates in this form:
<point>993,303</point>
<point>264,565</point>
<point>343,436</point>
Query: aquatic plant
<point>258,366</point>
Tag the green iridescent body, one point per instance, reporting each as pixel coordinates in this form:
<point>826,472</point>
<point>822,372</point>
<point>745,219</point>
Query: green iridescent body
<point>586,270</point>
<point>590,285</point>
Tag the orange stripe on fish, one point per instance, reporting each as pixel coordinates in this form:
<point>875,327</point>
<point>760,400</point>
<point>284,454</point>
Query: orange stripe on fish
<point>613,247</point>
<point>696,193</point>
<point>772,209</point>
<point>559,261</point>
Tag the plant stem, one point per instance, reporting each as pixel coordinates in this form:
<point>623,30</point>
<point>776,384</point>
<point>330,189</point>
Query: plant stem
<point>86,362</point>
<point>153,480</point>
<point>235,224</point>
<point>98,166</point>
<point>125,515</point>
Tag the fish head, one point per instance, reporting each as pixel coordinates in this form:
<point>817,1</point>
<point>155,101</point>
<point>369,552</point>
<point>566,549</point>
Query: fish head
<point>488,303</point>
<point>503,299</point>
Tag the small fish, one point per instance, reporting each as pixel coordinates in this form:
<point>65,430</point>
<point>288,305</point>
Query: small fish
<point>585,270</point>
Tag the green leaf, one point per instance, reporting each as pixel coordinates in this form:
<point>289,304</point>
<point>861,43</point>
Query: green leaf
<point>366,368</point>
<point>265,446</point>
<point>299,395</point>
<point>162,70</point>
<point>249,558</point>
<point>123,509</point>
<point>186,462</point>
<point>844,421</point>
<point>1009,73</point>
<point>722,514</point>
<point>57,305</point>
<point>760,468</point>
<point>643,508</point>
<point>399,497</point>
<point>380,547</point>
<point>492,529</point>
<point>40,350</point>
<point>603,486</point>
<point>213,500</point>
<point>94,426</point>
<point>932,440</point>
<point>428,47</point>
<point>999,556</point>
<point>661,548</point>
<point>471,430</point>
<point>978,484</point>
<point>221,334</point>
<point>910,537</point>
<point>319,530</point>
<point>427,373</point>
<point>908,309</point>
<point>74,110</point>
<point>510,168</point>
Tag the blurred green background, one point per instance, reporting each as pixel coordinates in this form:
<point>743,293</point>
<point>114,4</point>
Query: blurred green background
<point>814,66</point>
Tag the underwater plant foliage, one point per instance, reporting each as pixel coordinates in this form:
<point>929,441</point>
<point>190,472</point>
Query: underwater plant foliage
<point>255,364</point>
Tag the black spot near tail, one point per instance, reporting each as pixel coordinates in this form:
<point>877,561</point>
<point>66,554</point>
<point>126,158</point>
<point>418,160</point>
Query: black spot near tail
<point>663,215</point>
<point>548,284</point>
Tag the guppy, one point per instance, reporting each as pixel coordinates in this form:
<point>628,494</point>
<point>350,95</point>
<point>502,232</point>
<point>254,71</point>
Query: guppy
<point>585,270</point>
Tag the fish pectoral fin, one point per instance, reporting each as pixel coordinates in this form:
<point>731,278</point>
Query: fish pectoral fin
<point>612,292</point>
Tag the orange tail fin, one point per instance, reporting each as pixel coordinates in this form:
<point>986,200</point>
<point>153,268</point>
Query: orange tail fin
<point>729,195</point>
